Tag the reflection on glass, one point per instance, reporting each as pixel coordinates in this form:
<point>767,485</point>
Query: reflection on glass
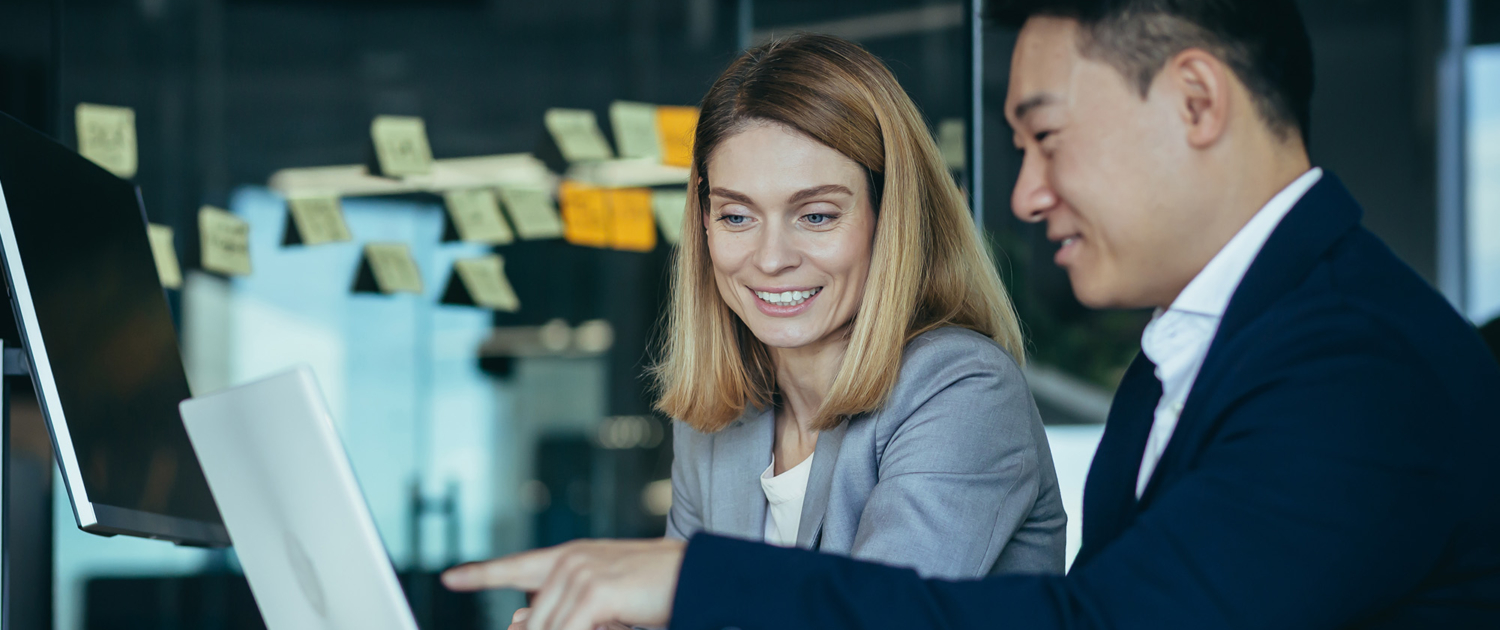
<point>1483,183</point>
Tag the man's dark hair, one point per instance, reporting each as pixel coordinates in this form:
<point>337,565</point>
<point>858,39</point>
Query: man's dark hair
<point>1264,42</point>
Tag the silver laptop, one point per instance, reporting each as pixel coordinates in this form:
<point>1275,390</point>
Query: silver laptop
<point>293,509</point>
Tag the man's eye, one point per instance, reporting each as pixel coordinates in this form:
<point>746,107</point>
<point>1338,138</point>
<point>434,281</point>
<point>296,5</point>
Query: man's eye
<point>1041,136</point>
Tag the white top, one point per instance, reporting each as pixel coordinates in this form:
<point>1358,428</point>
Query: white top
<point>784,494</point>
<point>1178,338</point>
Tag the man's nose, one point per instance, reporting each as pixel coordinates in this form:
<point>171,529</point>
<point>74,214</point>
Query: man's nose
<point>1033,195</point>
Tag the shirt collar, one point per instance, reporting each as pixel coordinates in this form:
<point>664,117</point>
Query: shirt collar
<point>1209,291</point>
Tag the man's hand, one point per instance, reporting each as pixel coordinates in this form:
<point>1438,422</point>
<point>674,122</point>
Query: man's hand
<point>584,584</point>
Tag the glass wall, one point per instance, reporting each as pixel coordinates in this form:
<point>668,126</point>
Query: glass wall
<point>1482,179</point>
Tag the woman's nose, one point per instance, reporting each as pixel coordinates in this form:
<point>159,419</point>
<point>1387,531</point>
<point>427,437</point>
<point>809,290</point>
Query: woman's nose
<point>1033,195</point>
<point>776,252</point>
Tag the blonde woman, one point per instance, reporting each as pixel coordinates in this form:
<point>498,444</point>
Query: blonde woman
<point>841,358</point>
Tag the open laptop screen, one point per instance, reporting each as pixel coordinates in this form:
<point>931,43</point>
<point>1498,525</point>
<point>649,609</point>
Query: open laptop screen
<point>95,325</point>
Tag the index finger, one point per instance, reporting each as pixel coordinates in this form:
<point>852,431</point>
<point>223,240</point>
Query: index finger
<point>523,571</point>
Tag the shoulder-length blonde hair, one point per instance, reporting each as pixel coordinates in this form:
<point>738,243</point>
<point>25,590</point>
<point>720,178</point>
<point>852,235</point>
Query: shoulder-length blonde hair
<point>928,267</point>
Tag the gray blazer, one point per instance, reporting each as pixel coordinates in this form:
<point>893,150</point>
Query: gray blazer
<point>952,477</point>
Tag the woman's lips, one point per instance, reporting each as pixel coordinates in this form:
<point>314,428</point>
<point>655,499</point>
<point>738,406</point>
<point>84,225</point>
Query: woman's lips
<point>789,309</point>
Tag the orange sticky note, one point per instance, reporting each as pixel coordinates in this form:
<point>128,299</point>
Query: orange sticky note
<point>630,218</point>
<point>585,214</point>
<point>677,126</point>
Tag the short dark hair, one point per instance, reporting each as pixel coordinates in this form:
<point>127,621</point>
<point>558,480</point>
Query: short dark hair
<point>1264,42</point>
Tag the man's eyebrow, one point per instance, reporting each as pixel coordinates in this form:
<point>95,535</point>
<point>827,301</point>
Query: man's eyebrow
<point>731,195</point>
<point>1024,107</point>
<point>808,193</point>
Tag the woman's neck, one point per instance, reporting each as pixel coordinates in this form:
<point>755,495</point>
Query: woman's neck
<point>803,377</point>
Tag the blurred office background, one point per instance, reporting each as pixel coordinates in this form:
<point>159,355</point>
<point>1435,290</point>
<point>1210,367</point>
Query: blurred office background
<point>475,433</point>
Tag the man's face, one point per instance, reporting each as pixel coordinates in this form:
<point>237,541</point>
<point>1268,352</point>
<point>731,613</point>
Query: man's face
<point>1108,171</point>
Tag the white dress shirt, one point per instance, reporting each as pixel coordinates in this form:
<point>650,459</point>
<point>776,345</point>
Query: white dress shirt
<point>1178,338</point>
<point>784,494</point>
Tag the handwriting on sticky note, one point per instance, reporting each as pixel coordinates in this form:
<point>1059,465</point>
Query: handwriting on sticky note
<point>670,208</point>
<point>484,277</point>
<point>224,240</point>
<point>165,254</point>
<point>106,136</point>
<point>577,135</point>
<point>677,126</point>
<point>533,213</point>
<point>631,224</point>
<point>319,219</point>
<point>635,129</point>
<point>585,214</point>
<point>401,145</point>
<point>395,270</point>
<point>476,216</point>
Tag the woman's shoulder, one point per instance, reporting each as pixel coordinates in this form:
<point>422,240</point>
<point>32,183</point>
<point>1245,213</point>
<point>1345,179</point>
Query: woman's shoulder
<point>960,346</point>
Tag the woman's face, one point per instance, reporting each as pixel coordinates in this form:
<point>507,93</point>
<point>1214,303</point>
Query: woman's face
<point>790,228</point>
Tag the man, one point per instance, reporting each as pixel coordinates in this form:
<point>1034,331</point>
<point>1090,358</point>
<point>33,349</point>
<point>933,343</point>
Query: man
<point>1305,442</point>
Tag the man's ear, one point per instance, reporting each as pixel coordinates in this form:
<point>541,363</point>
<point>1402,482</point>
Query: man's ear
<point>1204,86</point>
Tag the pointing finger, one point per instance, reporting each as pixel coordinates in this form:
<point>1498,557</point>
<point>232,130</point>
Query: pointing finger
<point>522,571</point>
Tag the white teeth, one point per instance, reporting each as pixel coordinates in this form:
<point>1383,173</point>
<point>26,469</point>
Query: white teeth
<point>787,298</point>
<point>1069,241</point>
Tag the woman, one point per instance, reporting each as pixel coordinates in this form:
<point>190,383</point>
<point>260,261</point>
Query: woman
<point>841,356</point>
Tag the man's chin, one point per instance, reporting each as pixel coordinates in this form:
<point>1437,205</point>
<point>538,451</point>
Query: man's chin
<point>1100,293</point>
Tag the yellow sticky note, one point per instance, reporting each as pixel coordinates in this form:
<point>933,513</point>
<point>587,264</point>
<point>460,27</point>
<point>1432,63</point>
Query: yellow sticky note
<point>106,136</point>
<point>635,129</point>
<point>630,219</point>
<point>577,134</point>
<point>165,254</point>
<point>677,126</point>
<point>395,270</point>
<point>476,216</point>
<point>670,208</point>
<point>224,240</point>
<point>319,219</point>
<point>585,214</point>
<point>401,145</point>
<point>485,279</point>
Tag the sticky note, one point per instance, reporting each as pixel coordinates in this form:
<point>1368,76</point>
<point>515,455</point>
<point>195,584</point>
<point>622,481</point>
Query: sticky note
<point>484,278</point>
<point>532,212</point>
<point>106,136</point>
<point>401,147</point>
<point>670,208</point>
<point>635,129</point>
<point>395,270</point>
<point>631,226</point>
<point>577,135</point>
<point>951,142</point>
<point>319,219</point>
<point>165,254</point>
<point>225,241</point>
<point>677,126</point>
<point>585,214</point>
<point>476,216</point>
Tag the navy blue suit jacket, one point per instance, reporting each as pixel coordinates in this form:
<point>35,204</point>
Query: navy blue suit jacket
<point>1337,465</point>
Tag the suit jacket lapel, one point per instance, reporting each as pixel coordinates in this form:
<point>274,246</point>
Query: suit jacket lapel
<point>819,485</point>
<point>1109,491</point>
<point>1323,216</point>
<point>741,453</point>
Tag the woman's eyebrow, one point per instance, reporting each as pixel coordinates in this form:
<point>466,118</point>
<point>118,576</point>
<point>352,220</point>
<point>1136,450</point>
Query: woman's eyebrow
<point>731,195</point>
<point>808,193</point>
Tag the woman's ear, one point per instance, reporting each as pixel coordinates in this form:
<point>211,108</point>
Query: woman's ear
<point>1204,88</point>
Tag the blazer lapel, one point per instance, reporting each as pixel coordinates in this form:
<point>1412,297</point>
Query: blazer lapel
<point>1319,220</point>
<point>819,485</point>
<point>741,453</point>
<point>1109,490</point>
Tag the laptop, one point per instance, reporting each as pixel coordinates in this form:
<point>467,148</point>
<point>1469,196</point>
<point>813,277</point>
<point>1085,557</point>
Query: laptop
<point>293,509</point>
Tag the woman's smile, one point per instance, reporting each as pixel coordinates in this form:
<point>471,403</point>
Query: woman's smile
<point>785,302</point>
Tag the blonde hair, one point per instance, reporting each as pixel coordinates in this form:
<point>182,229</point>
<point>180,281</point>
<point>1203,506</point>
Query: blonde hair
<point>928,267</point>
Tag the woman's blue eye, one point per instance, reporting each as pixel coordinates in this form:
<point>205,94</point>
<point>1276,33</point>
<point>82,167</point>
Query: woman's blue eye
<point>818,219</point>
<point>733,219</point>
